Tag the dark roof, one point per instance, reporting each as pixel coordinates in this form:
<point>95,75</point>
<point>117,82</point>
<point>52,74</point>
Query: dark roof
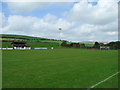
<point>18,43</point>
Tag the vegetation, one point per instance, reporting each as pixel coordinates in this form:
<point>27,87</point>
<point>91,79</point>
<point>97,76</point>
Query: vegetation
<point>114,45</point>
<point>39,44</point>
<point>33,41</point>
<point>97,45</point>
<point>27,38</point>
<point>44,42</point>
<point>30,41</point>
<point>31,44</point>
<point>59,68</point>
<point>6,45</point>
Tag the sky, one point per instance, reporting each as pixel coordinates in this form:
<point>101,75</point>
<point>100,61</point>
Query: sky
<point>79,21</point>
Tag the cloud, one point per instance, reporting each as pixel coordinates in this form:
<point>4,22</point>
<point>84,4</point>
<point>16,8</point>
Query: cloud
<point>1,16</point>
<point>112,33</point>
<point>84,22</point>
<point>44,27</point>
<point>2,19</point>
<point>84,12</point>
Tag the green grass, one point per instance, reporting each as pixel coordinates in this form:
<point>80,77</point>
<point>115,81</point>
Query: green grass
<point>6,45</point>
<point>0,69</point>
<point>89,45</point>
<point>30,38</point>
<point>20,36</point>
<point>38,44</point>
<point>31,44</point>
<point>37,40</point>
<point>59,68</point>
<point>112,83</point>
<point>27,38</point>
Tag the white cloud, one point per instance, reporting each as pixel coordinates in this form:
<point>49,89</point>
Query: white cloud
<point>42,27</point>
<point>50,18</point>
<point>112,33</point>
<point>1,15</point>
<point>101,13</point>
<point>2,19</point>
<point>83,22</point>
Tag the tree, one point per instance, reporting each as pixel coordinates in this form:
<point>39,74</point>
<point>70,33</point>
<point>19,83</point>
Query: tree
<point>64,43</point>
<point>96,45</point>
<point>71,45</point>
<point>82,45</point>
<point>114,45</point>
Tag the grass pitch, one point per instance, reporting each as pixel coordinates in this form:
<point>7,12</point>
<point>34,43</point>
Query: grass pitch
<point>59,68</point>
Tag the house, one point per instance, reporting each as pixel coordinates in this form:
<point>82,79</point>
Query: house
<point>20,45</point>
<point>104,47</point>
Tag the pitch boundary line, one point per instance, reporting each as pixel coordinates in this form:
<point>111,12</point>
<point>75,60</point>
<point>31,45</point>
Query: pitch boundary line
<point>103,80</point>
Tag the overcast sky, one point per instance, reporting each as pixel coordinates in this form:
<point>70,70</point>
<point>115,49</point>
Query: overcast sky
<point>80,21</point>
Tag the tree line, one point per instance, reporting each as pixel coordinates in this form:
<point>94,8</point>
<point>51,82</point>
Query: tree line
<point>112,45</point>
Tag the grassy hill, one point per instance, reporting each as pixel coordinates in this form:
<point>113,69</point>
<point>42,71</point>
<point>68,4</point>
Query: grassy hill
<point>25,38</point>
<point>32,41</point>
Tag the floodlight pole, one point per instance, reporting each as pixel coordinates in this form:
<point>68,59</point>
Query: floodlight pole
<point>60,29</point>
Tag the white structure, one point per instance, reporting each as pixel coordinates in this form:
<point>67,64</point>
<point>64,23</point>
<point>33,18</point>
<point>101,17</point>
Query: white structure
<point>52,47</point>
<point>3,48</point>
<point>6,48</point>
<point>40,48</point>
<point>9,48</point>
<point>22,48</point>
<point>104,47</point>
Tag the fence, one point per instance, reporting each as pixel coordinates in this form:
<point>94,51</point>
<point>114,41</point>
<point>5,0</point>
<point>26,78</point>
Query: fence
<point>20,48</point>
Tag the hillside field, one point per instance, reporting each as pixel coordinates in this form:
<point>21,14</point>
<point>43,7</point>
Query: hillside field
<point>32,41</point>
<point>32,44</point>
<point>59,68</point>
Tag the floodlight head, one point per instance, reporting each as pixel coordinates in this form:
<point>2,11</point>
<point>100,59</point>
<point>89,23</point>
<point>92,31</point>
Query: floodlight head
<point>60,28</point>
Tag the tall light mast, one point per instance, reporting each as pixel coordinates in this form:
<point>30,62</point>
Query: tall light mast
<point>60,29</point>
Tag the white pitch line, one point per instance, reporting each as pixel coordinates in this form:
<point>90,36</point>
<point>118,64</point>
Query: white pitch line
<point>103,80</point>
